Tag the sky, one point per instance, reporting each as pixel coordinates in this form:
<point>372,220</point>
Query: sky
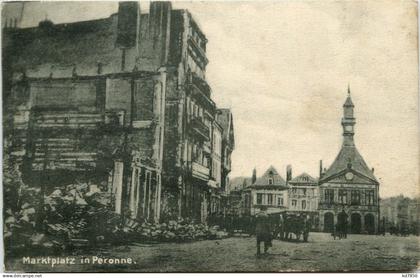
<point>284,67</point>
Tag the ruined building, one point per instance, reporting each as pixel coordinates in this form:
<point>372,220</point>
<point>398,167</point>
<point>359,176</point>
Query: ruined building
<point>349,191</point>
<point>120,101</point>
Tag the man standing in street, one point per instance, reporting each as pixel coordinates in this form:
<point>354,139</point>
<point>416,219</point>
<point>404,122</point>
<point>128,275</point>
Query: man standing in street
<point>263,230</point>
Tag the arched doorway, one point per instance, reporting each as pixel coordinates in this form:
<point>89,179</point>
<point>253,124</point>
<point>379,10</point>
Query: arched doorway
<point>370,223</point>
<point>342,221</point>
<point>329,222</point>
<point>356,223</point>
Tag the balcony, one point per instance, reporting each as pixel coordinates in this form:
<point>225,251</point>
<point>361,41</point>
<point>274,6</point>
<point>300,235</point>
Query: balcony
<point>200,84</point>
<point>199,129</point>
<point>199,171</point>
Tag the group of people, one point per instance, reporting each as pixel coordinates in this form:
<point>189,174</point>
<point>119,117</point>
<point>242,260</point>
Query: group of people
<point>269,227</point>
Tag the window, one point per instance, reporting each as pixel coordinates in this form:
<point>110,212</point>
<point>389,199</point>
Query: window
<point>280,201</point>
<point>270,181</point>
<point>247,200</point>
<point>342,196</point>
<point>355,197</point>
<point>303,204</point>
<point>259,198</point>
<point>294,203</point>
<point>270,199</point>
<point>370,197</point>
<point>329,196</point>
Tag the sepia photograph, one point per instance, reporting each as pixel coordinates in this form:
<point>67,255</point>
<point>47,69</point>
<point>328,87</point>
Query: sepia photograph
<point>210,136</point>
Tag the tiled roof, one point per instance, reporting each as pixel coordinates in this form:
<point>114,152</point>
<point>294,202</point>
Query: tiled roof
<point>349,156</point>
<point>271,173</point>
<point>303,178</point>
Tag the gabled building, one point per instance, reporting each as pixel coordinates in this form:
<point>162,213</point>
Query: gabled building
<point>348,188</point>
<point>269,190</point>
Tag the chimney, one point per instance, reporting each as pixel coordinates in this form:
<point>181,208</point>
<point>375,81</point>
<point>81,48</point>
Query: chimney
<point>373,170</point>
<point>128,23</point>
<point>254,176</point>
<point>288,173</point>
<point>159,24</point>
<point>320,168</point>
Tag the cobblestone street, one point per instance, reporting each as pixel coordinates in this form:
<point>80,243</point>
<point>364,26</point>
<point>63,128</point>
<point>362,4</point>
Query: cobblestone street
<point>357,253</point>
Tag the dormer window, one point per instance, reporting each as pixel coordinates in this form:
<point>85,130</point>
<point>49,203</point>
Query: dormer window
<point>270,181</point>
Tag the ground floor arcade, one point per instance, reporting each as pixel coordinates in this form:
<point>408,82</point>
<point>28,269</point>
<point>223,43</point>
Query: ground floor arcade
<point>357,221</point>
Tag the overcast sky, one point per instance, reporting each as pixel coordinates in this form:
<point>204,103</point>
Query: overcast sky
<point>283,68</point>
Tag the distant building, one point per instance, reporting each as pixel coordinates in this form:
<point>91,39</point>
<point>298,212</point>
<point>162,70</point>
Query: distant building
<point>349,189</point>
<point>225,120</point>
<point>399,211</point>
<point>304,196</point>
<point>269,190</point>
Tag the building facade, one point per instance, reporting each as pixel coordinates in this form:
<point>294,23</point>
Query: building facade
<point>304,196</point>
<point>349,191</point>
<point>270,191</point>
<point>193,137</point>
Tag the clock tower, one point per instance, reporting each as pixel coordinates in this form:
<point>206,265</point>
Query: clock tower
<point>348,121</point>
<point>349,191</point>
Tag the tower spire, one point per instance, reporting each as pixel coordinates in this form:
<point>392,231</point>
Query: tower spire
<point>348,121</point>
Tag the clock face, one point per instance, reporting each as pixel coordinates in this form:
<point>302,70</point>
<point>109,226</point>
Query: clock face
<point>349,176</point>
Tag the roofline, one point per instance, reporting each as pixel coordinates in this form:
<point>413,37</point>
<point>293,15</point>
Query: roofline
<point>144,74</point>
<point>324,180</point>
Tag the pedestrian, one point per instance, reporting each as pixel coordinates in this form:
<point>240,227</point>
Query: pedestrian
<point>263,230</point>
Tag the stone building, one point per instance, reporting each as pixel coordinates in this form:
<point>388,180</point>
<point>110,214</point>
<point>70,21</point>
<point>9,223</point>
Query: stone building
<point>121,101</point>
<point>304,196</point>
<point>269,190</point>
<point>194,137</point>
<point>349,189</point>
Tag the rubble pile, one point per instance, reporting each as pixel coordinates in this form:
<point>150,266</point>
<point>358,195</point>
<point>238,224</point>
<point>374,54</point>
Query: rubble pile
<point>20,218</point>
<point>81,215</point>
<point>173,231</point>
